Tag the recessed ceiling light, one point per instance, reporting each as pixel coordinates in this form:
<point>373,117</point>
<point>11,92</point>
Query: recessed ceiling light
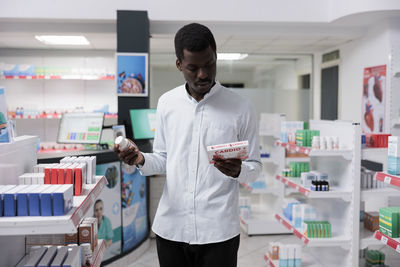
<point>231,56</point>
<point>62,39</point>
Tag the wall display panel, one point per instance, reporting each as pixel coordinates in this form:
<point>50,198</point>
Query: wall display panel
<point>134,207</point>
<point>107,209</point>
<point>132,74</point>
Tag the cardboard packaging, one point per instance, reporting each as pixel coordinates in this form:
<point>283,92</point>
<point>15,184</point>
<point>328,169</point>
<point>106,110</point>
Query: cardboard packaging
<point>23,200</point>
<point>4,189</point>
<point>62,197</point>
<point>48,257</point>
<point>46,202</point>
<point>237,150</point>
<point>60,257</point>
<point>10,200</point>
<point>74,258</point>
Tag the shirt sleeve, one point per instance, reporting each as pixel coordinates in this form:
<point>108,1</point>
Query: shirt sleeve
<point>251,167</point>
<point>155,163</point>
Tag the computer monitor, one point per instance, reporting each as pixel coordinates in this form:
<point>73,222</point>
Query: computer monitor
<point>143,123</point>
<point>80,128</point>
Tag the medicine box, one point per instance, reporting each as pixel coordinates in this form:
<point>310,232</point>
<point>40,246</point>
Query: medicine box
<point>46,202</point>
<point>62,254</point>
<point>389,221</point>
<point>85,234</point>
<point>307,178</point>
<point>62,197</point>
<point>74,258</point>
<point>237,150</point>
<point>23,200</point>
<point>3,189</point>
<point>48,257</point>
<point>394,165</point>
<point>10,200</point>
<point>34,200</point>
<point>35,256</point>
<point>394,146</point>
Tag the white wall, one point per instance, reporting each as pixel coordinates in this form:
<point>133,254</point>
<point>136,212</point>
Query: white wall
<point>208,10</point>
<point>371,50</point>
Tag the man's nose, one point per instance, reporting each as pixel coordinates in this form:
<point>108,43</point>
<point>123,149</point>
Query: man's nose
<point>202,74</point>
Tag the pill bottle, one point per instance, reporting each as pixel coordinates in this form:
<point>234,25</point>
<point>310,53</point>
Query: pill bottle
<point>123,143</point>
<point>315,143</point>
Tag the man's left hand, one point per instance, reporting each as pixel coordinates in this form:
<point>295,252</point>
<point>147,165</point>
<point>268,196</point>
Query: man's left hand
<point>229,167</point>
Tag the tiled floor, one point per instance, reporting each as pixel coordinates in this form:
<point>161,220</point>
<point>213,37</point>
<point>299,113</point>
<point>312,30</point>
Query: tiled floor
<point>251,251</point>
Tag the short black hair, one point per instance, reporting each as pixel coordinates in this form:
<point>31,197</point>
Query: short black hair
<point>193,37</point>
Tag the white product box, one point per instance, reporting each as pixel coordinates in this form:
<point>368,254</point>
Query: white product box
<point>62,253</point>
<point>307,178</point>
<point>35,257</point>
<point>238,150</point>
<point>48,257</point>
<point>394,146</point>
<point>74,258</point>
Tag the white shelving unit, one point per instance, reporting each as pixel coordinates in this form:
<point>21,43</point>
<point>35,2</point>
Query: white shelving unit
<point>14,229</point>
<point>341,205</point>
<point>265,201</point>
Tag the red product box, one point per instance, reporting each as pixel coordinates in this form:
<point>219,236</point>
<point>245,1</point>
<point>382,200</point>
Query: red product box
<point>78,180</point>
<point>47,175</point>
<point>69,174</point>
<point>61,174</point>
<point>54,175</point>
<point>376,140</point>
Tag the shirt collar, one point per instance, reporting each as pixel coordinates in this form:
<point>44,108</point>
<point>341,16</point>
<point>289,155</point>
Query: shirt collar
<point>215,89</point>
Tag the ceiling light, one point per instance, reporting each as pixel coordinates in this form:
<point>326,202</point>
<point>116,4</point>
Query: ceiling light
<point>231,56</point>
<point>62,40</point>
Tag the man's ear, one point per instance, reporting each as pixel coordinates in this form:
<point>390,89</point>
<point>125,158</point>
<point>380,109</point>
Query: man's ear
<point>178,64</point>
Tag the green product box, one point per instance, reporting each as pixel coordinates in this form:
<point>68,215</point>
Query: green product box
<point>389,221</point>
<point>307,166</point>
<point>306,125</point>
<point>318,230</point>
<point>291,167</point>
<point>307,138</point>
<point>300,134</point>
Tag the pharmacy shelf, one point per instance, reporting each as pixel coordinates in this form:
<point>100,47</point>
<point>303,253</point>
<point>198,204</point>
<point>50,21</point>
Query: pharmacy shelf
<point>52,116</point>
<point>268,190</point>
<point>370,153</point>
<point>333,193</point>
<point>271,263</point>
<point>396,123</point>
<point>345,153</point>
<point>99,253</point>
<point>393,243</point>
<point>336,241</point>
<point>32,225</point>
<point>261,222</point>
<point>270,134</point>
<point>296,159</point>
<point>388,178</point>
<point>57,77</point>
<point>379,192</point>
<point>367,238</point>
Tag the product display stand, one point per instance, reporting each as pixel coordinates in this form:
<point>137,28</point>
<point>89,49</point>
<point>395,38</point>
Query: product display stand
<point>341,205</point>
<point>264,201</point>
<point>14,229</point>
<point>99,253</point>
<point>392,180</point>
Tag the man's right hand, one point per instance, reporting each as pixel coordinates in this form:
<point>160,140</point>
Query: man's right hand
<point>131,156</point>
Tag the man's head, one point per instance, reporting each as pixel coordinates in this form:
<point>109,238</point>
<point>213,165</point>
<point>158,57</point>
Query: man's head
<point>196,54</point>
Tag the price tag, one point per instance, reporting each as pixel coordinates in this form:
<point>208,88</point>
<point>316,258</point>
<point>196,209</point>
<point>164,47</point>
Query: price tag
<point>384,240</point>
<point>297,187</point>
<point>16,77</point>
<point>303,239</point>
<point>287,182</point>
<point>92,197</point>
<point>398,248</point>
<point>80,213</point>
<point>292,229</point>
<point>297,149</point>
<point>307,193</point>
<point>387,179</point>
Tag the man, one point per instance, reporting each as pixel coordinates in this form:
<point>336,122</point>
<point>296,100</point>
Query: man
<point>197,222</point>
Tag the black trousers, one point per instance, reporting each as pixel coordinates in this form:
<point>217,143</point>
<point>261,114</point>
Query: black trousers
<point>179,254</point>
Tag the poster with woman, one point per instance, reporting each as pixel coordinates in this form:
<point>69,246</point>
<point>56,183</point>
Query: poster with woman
<point>373,99</point>
<point>132,77</point>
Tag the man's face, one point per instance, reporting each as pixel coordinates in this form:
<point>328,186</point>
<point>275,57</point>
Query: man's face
<point>199,70</point>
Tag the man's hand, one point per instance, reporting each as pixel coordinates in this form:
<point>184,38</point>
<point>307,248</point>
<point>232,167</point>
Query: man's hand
<point>229,167</point>
<point>130,156</point>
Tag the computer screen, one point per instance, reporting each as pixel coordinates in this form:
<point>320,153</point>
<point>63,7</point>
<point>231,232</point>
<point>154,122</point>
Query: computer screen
<point>80,128</point>
<point>143,123</point>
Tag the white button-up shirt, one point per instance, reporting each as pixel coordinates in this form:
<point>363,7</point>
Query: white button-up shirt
<point>199,203</point>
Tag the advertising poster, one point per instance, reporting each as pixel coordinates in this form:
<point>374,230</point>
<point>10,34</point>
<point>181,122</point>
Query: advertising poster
<point>373,99</point>
<point>107,208</point>
<point>134,207</point>
<point>132,77</point>
<point>5,136</point>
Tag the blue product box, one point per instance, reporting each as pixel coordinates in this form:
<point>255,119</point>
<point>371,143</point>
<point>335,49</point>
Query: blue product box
<point>10,200</point>
<point>46,207</point>
<point>62,199</point>
<point>394,165</point>
<point>34,200</point>
<point>297,262</point>
<point>22,201</point>
<point>283,263</point>
<point>3,189</point>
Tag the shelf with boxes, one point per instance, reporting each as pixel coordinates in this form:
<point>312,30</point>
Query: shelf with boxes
<point>390,242</point>
<point>388,178</point>
<point>57,77</point>
<point>332,193</point>
<point>255,190</point>
<point>334,241</point>
<point>339,161</point>
<point>345,153</point>
<point>25,225</point>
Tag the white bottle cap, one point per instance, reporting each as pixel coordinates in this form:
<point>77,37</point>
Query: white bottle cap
<point>121,142</point>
